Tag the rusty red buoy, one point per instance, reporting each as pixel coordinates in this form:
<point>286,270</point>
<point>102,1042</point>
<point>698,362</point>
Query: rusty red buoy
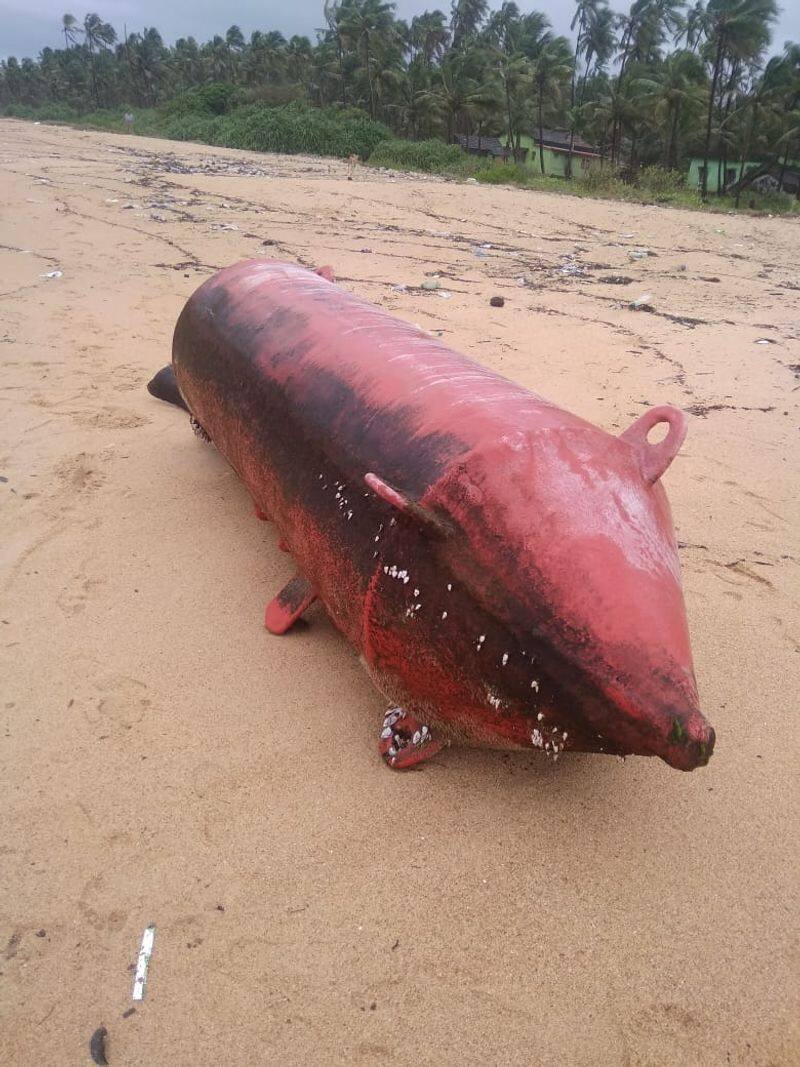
<point>507,570</point>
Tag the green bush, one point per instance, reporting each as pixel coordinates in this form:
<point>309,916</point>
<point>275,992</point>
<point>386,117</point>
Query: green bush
<point>203,128</point>
<point>297,129</point>
<point>505,174</point>
<point>660,181</point>
<point>601,180</point>
<point>431,157</point>
<point>216,99</point>
<point>21,111</point>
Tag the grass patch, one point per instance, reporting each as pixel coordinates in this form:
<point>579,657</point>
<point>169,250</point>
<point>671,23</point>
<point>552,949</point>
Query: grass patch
<point>200,116</point>
<point>428,157</point>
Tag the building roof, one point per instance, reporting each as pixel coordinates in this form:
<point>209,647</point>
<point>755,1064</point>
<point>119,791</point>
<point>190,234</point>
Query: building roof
<point>473,143</point>
<point>557,137</point>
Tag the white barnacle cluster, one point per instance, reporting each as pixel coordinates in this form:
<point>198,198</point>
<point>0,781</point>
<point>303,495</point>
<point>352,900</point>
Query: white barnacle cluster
<point>480,641</point>
<point>552,743</point>
<point>400,575</point>
<point>494,699</point>
<point>342,502</point>
<point>412,610</point>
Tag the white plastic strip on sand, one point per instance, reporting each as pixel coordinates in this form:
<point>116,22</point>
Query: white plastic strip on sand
<point>145,952</point>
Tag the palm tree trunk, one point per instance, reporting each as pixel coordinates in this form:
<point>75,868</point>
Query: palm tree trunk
<point>722,166</point>
<point>341,69</point>
<point>568,168</point>
<point>712,94</point>
<point>508,111</point>
<point>745,153</point>
<point>541,131</point>
<point>369,78</point>
<point>672,150</point>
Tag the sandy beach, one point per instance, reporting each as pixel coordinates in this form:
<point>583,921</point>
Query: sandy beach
<point>164,760</point>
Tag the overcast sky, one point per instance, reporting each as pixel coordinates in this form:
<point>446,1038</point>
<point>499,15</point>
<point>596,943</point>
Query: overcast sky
<point>27,26</point>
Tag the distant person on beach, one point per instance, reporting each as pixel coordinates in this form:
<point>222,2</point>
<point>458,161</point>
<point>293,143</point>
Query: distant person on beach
<point>127,118</point>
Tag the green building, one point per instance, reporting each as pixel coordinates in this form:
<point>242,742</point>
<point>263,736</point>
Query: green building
<point>731,172</point>
<point>555,148</point>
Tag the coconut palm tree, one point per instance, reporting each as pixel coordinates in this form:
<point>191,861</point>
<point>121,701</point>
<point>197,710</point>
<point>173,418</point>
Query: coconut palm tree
<point>429,35</point>
<point>458,93</point>
<point>735,29</point>
<point>550,72</point>
<point>367,25</point>
<point>673,91</point>
<point>594,42</point>
<point>70,29</point>
<point>97,36</point>
<point>467,17</point>
<point>693,26</point>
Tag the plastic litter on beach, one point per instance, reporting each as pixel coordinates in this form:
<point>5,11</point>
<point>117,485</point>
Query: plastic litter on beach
<point>142,964</point>
<point>641,302</point>
<point>52,274</point>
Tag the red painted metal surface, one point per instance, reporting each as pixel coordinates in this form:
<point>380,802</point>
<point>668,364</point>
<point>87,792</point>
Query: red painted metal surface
<point>508,571</point>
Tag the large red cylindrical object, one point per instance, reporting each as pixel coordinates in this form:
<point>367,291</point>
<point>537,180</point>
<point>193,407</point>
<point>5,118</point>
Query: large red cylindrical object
<point>508,571</point>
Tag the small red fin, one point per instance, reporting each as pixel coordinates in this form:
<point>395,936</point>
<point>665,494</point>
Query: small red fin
<point>287,607</point>
<point>405,741</point>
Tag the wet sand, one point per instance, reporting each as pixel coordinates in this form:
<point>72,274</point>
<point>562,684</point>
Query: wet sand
<point>166,761</point>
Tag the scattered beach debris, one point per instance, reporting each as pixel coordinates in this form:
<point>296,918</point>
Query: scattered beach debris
<point>142,964</point>
<point>443,293</point>
<point>431,283</point>
<point>642,303</point>
<point>97,1045</point>
<point>765,341</point>
<point>638,254</point>
<point>52,274</point>
<point>497,301</point>
<point>616,279</point>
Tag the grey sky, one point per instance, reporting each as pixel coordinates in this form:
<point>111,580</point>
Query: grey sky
<point>29,25</point>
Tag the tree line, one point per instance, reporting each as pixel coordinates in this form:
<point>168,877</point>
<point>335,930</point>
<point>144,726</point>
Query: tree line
<point>662,81</point>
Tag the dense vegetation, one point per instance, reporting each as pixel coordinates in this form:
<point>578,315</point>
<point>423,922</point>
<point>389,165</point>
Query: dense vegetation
<point>652,86</point>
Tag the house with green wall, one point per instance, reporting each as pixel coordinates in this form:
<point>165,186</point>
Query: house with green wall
<point>555,149</point>
<point>731,172</point>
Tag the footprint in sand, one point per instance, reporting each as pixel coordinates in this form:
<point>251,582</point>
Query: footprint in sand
<point>81,473</point>
<point>118,699</point>
<point>74,597</point>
